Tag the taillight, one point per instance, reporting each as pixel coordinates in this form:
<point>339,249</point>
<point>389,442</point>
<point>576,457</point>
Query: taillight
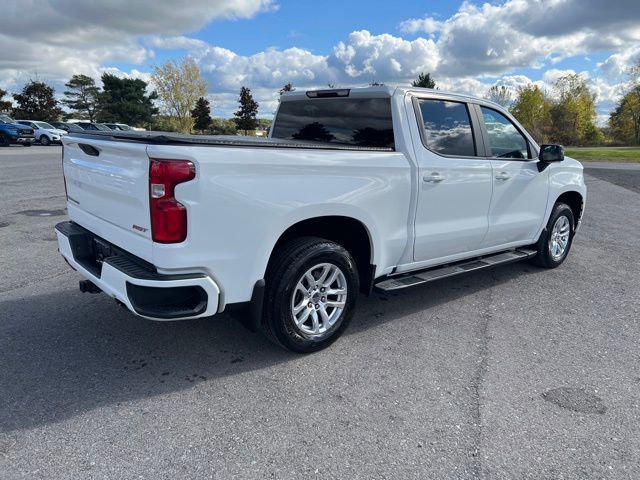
<point>168,216</point>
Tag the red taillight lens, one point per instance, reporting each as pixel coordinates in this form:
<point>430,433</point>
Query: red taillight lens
<point>168,216</point>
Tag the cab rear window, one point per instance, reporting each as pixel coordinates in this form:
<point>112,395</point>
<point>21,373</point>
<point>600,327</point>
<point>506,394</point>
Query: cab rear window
<point>363,122</point>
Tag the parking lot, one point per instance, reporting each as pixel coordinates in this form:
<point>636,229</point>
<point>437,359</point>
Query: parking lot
<point>516,372</point>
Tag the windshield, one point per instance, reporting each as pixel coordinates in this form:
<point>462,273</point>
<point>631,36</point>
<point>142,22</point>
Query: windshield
<point>6,119</point>
<point>365,122</point>
<point>44,125</point>
<point>102,127</point>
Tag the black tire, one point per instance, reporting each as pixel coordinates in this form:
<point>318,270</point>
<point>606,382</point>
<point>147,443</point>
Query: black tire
<point>44,140</point>
<point>289,264</point>
<point>4,141</point>
<point>545,258</point>
<point>27,144</point>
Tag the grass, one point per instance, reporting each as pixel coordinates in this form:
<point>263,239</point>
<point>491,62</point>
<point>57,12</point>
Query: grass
<point>605,154</point>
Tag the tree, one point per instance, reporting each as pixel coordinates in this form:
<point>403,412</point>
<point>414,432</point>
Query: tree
<point>125,100</point>
<point>424,80</point>
<point>220,126</point>
<point>5,105</point>
<point>532,109</point>
<point>574,113</point>
<point>82,96</point>
<point>287,88</point>
<point>625,119</point>
<point>179,85</point>
<point>37,101</point>
<point>201,114</point>
<point>500,95</point>
<point>245,116</point>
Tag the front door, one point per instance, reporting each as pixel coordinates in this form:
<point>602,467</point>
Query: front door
<point>519,190</point>
<point>454,188</point>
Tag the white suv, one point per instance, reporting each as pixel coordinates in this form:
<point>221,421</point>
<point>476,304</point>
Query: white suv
<point>45,133</point>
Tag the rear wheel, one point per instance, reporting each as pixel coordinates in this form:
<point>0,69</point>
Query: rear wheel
<point>556,240</point>
<point>312,286</point>
<point>26,144</point>
<point>4,141</point>
<point>44,140</point>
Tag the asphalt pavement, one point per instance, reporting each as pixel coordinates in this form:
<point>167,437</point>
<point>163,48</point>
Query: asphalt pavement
<point>516,372</point>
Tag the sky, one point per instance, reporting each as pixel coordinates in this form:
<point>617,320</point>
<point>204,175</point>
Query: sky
<point>467,46</point>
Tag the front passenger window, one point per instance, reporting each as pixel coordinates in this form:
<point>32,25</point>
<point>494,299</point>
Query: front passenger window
<point>505,140</point>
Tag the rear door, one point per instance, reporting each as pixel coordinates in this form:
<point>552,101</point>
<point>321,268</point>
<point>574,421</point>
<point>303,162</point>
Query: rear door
<point>455,181</point>
<point>520,191</point>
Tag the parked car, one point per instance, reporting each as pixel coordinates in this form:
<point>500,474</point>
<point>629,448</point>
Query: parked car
<point>92,126</point>
<point>12,132</point>
<point>67,127</point>
<point>118,126</point>
<point>44,132</point>
<point>355,190</point>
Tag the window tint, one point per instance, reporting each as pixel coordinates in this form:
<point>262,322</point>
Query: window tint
<point>447,127</point>
<point>505,141</point>
<point>364,122</point>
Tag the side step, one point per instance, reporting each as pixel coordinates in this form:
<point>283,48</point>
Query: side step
<point>411,279</point>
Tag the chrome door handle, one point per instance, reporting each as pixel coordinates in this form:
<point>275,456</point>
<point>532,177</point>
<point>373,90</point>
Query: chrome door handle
<point>503,176</point>
<point>433,177</point>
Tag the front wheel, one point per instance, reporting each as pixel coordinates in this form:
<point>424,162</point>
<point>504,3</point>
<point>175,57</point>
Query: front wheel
<point>556,240</point>
<point>44,140</point>
<point>312,286</point>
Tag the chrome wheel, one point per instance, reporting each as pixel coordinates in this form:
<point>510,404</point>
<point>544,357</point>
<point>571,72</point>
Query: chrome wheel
<point>559,239</point>
<point>318,299</point>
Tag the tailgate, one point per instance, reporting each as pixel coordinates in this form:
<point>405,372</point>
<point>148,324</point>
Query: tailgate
<point>109,181</point>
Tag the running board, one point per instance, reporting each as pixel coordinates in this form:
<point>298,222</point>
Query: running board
<point>411,279</point>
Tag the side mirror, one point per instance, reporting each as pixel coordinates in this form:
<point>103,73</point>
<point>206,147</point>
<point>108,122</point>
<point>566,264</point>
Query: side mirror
<point>549,154</point>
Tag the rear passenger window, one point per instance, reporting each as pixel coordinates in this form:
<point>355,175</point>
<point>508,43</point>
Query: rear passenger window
<point>505,141</point>
<point>447,127</point>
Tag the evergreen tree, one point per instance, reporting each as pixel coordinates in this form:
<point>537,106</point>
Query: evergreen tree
<point>125,100</point>
<point>245,117</point>
<point>424,80</point>
<point>37,101</point>
<point>82,96</point>
<point>201,114</point>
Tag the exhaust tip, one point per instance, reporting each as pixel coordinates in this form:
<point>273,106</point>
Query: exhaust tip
<point>87,286</point>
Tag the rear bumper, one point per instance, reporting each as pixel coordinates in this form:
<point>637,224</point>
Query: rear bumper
<point>134,282</point>
<point>24,140</point>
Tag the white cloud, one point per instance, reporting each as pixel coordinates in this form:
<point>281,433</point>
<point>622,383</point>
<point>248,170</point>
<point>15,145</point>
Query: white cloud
<point>428,25</point>
<point>53,39</point>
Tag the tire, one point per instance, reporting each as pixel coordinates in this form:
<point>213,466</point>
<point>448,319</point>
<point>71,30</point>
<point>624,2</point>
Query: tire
<point>27,144</point>
<point>44,140</point>
<point>548,255</point>
<point>322,317</point>
<point>4,141</point>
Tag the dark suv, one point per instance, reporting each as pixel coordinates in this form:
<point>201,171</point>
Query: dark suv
<point>11,132</point>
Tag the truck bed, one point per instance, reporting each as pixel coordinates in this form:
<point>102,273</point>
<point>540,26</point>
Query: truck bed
<point>170,138</point>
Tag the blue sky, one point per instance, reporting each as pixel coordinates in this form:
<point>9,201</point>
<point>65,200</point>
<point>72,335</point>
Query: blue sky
<point>467,46</point>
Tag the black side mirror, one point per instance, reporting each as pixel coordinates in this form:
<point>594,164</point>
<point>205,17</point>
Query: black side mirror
<point>549,154</point>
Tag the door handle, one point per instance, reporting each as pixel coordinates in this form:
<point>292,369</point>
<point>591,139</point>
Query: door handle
<point>503,176</point>
<point>433,177</point>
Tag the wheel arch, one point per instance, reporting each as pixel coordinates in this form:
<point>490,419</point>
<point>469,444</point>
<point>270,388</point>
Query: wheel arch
<point>575,201</point>
<point>346,231</point>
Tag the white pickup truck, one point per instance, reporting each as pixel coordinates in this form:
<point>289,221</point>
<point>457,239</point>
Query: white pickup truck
<point>354,190</point>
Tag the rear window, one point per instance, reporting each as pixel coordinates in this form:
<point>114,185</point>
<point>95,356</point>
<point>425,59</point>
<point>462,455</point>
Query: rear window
<point>364,122</point>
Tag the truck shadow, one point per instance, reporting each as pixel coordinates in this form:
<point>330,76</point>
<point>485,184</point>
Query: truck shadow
<point>65,354</point>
